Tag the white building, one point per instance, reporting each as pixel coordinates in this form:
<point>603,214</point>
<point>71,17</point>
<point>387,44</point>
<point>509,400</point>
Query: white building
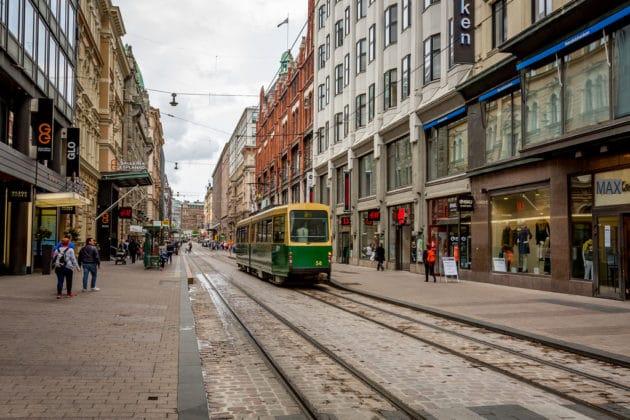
<point>382,69</point>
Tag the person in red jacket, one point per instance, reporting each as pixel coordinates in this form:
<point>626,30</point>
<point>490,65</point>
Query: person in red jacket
<point>430,256</point>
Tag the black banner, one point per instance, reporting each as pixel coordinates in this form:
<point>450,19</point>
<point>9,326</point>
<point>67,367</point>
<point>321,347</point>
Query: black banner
<point>44,131</point>
<point>20,193</point>
<point>67,210</point>
<point>72,152</point>
<point>463,32</point>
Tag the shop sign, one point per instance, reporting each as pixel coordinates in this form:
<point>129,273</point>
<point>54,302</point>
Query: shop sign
<point>67,210</point>
<point>498,264</point>
<point>166,222</point>
<point>368,222</point>
<point>135,229</point>
<point>346,195</point>
<point>44,131</point>
<point>466,203</point>
<point>374,216</point>
<point>20,194</point>
<point>72,152</point>
<point>126,166</point>
<point>450,267</point>
<point>125,213</point>
<point>612,188</point>
<point>345,221</point>
<point>400,216</point>
<point>157,223</point>
<point>105,219</point>
<point>463,37</point>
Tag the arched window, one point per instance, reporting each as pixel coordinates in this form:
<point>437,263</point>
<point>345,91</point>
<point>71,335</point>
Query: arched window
<point>588,96</point>
<point>554,109</point>
<point>600,92</point>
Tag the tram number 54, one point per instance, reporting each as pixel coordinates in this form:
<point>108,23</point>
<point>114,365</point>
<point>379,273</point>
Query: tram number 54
<point>318,263</point>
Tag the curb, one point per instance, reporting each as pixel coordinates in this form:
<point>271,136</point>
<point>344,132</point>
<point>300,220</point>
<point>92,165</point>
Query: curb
<point>590,352</point>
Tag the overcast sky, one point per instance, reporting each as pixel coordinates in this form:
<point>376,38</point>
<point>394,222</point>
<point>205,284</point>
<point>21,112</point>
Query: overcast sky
<point>203,46</point>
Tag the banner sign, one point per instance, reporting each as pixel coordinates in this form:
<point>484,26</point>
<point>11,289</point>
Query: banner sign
<point>44,133</point>
<point>125,213</point>
<point>463,32</point>
<point>20,193</point>
<point>105,220</point>
<point>72,152</point>
<point>67,210</point>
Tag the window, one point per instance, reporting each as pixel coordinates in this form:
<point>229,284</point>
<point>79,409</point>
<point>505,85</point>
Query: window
<point>391,25</point>
<point>321,97</point>
<point>390,94</point>
<point>503,127</point>
<point>341,184</point>
<point>327,47</point>
<point>361,9</point>
<point>321,57</point>
<point>29,29</point>
<point>540,9</point>
<point>324,189</point>
<point>372,43</point>
<point>581,199</point>
<point>405,81</point>
<point>346,21</point>
<point>399,164</point>
<point>72,16</point>
<point>338,79</point>
<point>432,58</point>
<point>320,140</point>
<point>360,111</point>
<point>346,70</point>
<point>451,43</point>
<point>321,17</point>
<point>326,135</point>
<point>369,237</point>
<point>371,101</point>
<point>53,64</point>
<point>361,55</point>
<point>309,226</point>
<point>367,177</point>
<point>448,150</point>
<point>63,15</point>
<point>338,127</point>
<point>520,232</point>
<point>428,3</point>
<point>406,14</point>
<point>327,90</point>
<point>278,229</point>
<point>346,121</point>
<point>457,135</point>
<point>42,45</point>
<point>15,6</point>
<point>339,33</point>
<point>542,105</point>
<point>499,23</point>
<point>622,71</point>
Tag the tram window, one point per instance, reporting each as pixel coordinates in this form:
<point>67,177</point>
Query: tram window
<point>309,226</point>
<point>268,229</point>
<point>259,232</point>
<point>278,229</point>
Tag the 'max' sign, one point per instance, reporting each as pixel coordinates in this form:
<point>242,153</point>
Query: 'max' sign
<point>612,186</point>
<point>463,32</point>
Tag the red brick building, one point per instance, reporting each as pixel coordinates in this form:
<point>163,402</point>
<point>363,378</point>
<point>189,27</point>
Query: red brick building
<point>284,133</point>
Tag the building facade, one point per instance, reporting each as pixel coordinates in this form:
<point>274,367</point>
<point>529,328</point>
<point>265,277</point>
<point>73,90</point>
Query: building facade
<point>241,168</point>
<point>155,167</point>
<point>220,204</point>
<point>192,216</point>
<point>38,55</point>
<point>207,209</point>
<point>284,134</point>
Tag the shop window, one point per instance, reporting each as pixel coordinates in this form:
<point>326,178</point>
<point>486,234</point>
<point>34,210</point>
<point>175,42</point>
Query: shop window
<point>581,199</point>
<point>399,164</point>
<point>520,231</point>
<point>457,147</point>
<point>341,184</point>
<point>450,229</point>
<point>368,237</point>
<point>542,104</point>
<point>586,86</point>
<point>622,71</point>
<point>324,190</point>
<point>367,181</point>
<point>503,122</point>
<point>448,150</point>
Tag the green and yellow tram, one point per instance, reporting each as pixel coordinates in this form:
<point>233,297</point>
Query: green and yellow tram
<point>285,242</point>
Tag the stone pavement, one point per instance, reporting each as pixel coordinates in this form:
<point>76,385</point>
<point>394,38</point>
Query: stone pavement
<point>112,353</point>
<point>584,323</point>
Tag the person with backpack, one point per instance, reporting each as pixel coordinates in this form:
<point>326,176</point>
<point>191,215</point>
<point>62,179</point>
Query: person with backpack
<point>429,256</point>
<point>90,261</point>
<point>64,263</point>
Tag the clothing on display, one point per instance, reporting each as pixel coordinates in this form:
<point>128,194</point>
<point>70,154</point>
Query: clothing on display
<point>587,256</point>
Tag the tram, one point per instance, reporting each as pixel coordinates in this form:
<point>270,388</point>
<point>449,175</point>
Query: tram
<point>285,243</point>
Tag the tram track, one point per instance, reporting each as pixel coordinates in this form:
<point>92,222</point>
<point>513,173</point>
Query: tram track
<point>310,410</point>
<point>606,396</point>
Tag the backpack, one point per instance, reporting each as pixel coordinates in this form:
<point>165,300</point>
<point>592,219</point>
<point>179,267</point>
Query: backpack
<point>431,256</point>
<point>60,259</point>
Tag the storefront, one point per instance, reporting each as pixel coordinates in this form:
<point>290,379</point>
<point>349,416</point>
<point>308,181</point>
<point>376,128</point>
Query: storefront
<point>401,250</point>
<point>368,234</point>
<point>344,239</point>
<point>450,228</point>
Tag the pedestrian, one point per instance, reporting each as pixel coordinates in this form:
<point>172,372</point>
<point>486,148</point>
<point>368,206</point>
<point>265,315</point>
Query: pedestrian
<point>65,263</point>
<point>189,247</point>
<point>379,257</point>
<point>429,256</point>
<point>90,261</point>
<point>170,248</point>
<point>60,243</point>
<point>133,250</point>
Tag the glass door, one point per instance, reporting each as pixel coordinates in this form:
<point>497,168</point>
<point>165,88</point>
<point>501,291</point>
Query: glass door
<point>608,257</point>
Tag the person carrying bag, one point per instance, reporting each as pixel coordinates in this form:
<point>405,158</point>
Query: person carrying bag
<point>64,263</point>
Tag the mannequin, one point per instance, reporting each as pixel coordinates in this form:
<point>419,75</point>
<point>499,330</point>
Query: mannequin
<point>542,233</point>
<point>523,236</point>
<point>587,257</point>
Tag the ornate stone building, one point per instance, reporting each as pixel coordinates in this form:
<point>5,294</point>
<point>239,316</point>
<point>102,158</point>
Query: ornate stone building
<point>155,167</point>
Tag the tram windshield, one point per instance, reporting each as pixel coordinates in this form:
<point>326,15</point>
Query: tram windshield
<point>309,226</point>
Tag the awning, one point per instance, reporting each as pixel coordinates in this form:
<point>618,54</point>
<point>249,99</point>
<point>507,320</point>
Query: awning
<point>60,199</point>
<point>590,33</point>
<point>445,118</point>
<point>126,179</point>
<point>501,90</point>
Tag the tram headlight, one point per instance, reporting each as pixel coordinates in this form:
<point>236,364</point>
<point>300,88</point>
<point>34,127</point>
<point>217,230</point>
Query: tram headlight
<point>290,258</point>
<point>329,257</point>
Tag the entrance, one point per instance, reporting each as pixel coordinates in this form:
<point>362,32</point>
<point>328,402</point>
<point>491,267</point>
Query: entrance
<point>612,251</point>
<point>344,247</point>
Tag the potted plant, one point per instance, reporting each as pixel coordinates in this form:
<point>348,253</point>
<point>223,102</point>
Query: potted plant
<point>73,233</point>
<point>44,253</point>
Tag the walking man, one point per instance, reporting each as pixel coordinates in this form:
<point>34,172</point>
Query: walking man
<point>90,261</point>
<point>133,250</point>
<point>379,257</point>
<point>65,263</point>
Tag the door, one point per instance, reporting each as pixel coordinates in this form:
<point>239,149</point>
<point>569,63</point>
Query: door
<point>608,254</point>
<point>344,248</point>
<point>626,255</point>
<point>399,248</point>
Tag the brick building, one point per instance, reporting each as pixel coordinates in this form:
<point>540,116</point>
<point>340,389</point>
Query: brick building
<point>284,132</point>
<point>192,215</point>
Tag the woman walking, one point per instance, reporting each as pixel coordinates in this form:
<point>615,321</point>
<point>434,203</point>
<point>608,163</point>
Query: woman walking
<point>65,263</point>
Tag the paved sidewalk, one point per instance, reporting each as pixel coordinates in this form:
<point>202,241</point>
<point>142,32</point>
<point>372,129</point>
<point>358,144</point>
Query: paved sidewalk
<point>112,353</point>
<point>584,323</point>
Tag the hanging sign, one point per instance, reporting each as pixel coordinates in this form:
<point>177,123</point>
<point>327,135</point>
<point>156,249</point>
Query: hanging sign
<point>44,133</point>
<point>20,193</point>
<point>125,213</point>
<point>374,215</point>
<point>345,221</point>
<point>72,152</point>
<point>463,32</point>
<point>105,219</point>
